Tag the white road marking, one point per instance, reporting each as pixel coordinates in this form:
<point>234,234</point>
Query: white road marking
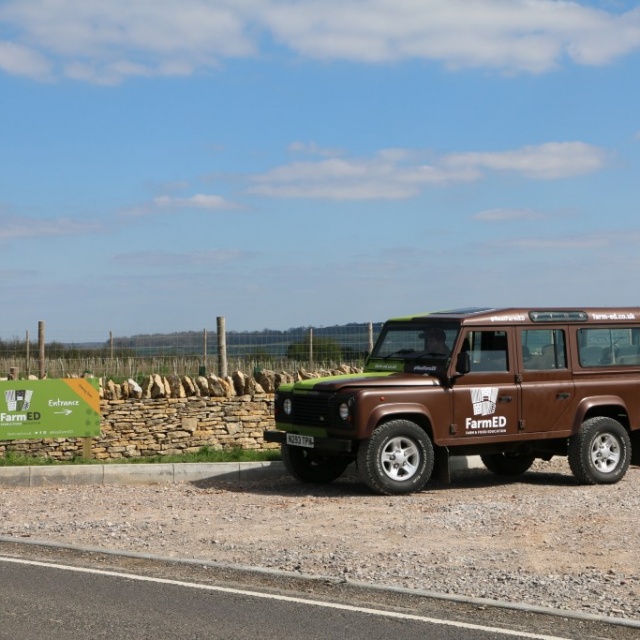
<point>271,596</point>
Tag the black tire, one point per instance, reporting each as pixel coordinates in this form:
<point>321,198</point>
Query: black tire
<point>600,452</point>
<point>508,464</point>
<point>306,465</point>
<point>397,459</point>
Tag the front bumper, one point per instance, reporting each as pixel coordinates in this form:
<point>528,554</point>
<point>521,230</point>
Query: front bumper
<point>336,445</point>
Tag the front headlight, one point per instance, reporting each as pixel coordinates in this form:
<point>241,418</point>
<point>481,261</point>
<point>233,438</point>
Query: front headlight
<point>287,406</point>
<point>343,411</point>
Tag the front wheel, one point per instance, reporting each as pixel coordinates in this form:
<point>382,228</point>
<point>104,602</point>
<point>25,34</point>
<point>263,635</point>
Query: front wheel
<point>308,466</point>
<point>398,458</point>
<point>508,464</point>
<point>600,452</point>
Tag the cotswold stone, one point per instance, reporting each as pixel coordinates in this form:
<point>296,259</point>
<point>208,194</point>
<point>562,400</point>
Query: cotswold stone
<point>157,389</point>
<point>203,385</point>
<point>173,387</point>
<point>131,389</point>
<point>110,392</point>
<point>267,380</point>
<point>189,386</point>
<point>239,382</point>
<point>217,387</point>
<point>231,390</point>
<point>190,425</point>
<point>282,378</point>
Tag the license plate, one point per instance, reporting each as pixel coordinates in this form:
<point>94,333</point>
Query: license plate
<point>300,441</point>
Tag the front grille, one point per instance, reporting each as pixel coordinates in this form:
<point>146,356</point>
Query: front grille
<point>312,410</point>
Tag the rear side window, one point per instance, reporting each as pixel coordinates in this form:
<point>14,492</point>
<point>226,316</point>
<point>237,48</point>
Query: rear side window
<point>605,347</point>
<point>543,349</point>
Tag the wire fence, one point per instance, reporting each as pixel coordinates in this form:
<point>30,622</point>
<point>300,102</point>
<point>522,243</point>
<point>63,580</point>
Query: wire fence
<point>192,353</point>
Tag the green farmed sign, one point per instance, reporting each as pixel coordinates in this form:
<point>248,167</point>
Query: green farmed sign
<point>61,408</point>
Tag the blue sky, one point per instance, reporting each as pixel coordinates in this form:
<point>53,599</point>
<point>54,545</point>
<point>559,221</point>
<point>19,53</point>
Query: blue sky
<point>287,163</point>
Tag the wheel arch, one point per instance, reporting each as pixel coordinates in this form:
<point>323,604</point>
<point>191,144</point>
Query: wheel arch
<point>612,407</point>
<point>414,413</point>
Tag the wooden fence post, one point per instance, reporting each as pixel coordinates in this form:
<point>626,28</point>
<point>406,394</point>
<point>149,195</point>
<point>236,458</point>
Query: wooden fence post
<point>204,350</point>
<point>27,354</point>
<point>86,448</point>
<point>222,348</point>
<point>41,364</point>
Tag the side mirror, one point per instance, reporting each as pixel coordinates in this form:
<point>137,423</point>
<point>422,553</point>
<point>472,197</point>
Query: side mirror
<point>463,363</point>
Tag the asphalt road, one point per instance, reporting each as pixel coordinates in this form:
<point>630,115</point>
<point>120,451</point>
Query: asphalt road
<point>66,594</point>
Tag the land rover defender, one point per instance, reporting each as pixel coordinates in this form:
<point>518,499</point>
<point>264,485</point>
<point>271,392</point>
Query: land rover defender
<point>509,385</point>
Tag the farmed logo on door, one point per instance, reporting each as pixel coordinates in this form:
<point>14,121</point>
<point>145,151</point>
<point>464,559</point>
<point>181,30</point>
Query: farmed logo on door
<point>484,400</point>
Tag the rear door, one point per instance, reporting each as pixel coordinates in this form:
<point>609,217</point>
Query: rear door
<point>548,391</point>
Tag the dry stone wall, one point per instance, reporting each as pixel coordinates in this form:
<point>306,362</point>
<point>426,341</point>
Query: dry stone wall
<point>168,415</point>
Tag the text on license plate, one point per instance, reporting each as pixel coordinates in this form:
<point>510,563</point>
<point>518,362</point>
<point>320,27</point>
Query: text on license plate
<point>300,441</point>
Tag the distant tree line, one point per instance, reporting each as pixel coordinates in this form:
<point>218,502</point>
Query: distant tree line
<point>18,349</point>
<point>329,344</point>
<point>338,342</point>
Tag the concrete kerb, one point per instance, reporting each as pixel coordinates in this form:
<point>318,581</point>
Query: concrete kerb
<point>172,473</point>
<point>133,474</point>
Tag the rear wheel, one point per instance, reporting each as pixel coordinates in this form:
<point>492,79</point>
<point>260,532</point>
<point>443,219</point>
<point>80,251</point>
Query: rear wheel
<point>306,465</point>
<point>600,452</point>
<point>508,464</point>
<point>398,458</point>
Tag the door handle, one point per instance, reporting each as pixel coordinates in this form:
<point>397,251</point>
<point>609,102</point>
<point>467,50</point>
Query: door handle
<point>563,396</point>
<point>505,399</point>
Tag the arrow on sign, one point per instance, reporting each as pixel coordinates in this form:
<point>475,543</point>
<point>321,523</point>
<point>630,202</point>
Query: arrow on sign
<point>65,412</point>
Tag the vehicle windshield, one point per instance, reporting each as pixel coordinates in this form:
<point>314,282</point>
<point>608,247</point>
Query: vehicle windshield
<point>410,341</point>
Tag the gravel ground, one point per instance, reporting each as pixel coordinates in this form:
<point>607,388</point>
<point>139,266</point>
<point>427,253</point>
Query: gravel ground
<point>541,539</point>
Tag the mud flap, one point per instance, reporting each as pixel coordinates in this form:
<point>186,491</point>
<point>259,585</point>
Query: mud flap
<point>635,447</point>
<point>441,470</point>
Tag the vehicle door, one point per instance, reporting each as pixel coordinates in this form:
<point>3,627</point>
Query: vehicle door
<point>486,399</point>
<point>548,391</point>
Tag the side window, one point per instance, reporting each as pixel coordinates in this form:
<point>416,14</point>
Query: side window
<point>488,350</point>
<point>617,346</point>
<point>543,349</point>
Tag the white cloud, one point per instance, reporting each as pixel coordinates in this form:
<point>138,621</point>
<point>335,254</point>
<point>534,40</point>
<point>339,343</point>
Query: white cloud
<point>312,149</point>
<point>20,60</point>
<point>507,215</point>
<point>621,241</point>
<point>198,201</point>
<point>208,202</point>
<point>193,259</point>
<point>514,35</point>
<point>21,227</point>
<point>106,42</point>
<point>400,173</point>
<point>546,161</point>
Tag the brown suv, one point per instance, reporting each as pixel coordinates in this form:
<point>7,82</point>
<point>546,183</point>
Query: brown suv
<point>510,385</point>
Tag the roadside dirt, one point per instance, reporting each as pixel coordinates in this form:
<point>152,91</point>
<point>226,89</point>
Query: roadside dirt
<point>542,539</point>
